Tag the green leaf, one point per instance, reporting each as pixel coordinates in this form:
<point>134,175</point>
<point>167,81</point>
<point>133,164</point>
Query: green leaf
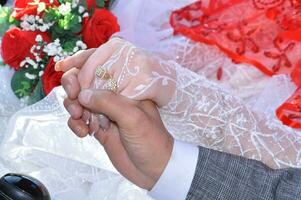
<point>51,15</point>
<point>5,13</point>
<point>100,3</point>
<point>69,44</point>
<point>61,1</point>
<point>70,22</point>
<point>38,93</point>
<point>21,85</point>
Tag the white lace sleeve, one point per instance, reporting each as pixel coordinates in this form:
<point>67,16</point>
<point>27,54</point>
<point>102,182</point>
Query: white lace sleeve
<point>201,112</point>
<point>198,110</point>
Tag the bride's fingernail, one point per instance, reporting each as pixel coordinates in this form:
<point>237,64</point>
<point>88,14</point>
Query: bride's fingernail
<point>57,66</point>
<point>85,96</point>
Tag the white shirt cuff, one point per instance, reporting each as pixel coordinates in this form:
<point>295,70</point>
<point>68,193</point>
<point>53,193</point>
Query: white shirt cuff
<point>177,177</point>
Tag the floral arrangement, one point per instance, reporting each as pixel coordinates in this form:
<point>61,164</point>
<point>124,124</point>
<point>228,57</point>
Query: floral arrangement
<point>38,33</point>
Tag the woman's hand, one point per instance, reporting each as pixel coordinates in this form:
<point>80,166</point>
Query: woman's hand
<point>138,74</point>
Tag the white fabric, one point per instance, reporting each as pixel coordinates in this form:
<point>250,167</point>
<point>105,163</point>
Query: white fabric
<point>38,142</point>
<point>180,171</point>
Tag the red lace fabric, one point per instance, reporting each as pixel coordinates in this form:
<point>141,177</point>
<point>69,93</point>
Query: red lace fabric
<point>264,33</point>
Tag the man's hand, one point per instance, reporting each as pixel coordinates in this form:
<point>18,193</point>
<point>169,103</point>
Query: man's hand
<point>136,141</point>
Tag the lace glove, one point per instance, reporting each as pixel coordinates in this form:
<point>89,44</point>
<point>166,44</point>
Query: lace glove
<point>134,73</point>
<point>195,109</point>
<point>201,112</point>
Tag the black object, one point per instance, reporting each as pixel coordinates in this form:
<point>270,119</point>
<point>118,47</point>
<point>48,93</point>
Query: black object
<point>3,2</point>
<point>22,187</point>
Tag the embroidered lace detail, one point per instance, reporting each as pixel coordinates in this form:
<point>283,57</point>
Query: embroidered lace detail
<point>201,112</point>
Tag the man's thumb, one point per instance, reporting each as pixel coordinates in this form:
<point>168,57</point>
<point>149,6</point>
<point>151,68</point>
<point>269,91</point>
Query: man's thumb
<point>116,107</point>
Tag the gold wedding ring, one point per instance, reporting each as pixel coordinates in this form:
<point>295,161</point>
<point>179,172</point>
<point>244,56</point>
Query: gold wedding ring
<point>102,73</point>
<point>112,85</point>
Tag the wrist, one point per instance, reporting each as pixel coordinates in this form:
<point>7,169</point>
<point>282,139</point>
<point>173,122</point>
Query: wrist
<point>158,168</point>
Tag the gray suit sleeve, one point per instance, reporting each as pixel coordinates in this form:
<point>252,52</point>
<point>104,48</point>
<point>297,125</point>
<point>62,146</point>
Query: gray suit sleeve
<point>228,177</point>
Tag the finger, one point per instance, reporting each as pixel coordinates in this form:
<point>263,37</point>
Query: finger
<point>86,116</point>
<point>79,127</point>
<point>98,121</point>
<point>75,61</point>
<point>119,157</point>
<point>98,58</point>
<point>74,108</point>
<point>70,83</point>
<point>94,125</point>
<point>116,107</point>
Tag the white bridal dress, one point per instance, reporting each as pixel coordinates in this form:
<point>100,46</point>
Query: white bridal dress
<point>215,114</point>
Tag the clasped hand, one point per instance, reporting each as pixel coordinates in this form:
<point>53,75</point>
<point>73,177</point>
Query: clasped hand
<point>134,136</point>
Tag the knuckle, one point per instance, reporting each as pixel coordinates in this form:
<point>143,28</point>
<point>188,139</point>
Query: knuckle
<point>70,124</point>
<point>102,99</point>
<point>65,79</point>
<point>66,102</point>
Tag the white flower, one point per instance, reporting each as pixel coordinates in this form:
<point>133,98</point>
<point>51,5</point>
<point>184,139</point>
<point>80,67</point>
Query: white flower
<point>75,3</point>
<point>33,23</point>
<point>38,59</point>
<point>32,28</point>
<point>86,14</point>
<point>65,9</point>
<point>41,73</point>
<point>22,63</point>
<point>32,49</point>
<point>30,76</point>
<point>51,49</point>
<point>56,58</point>
<point>75,49</point>
<point>30,61</point>
<point>57,41</point>
<point>43,28</point>
<point>81,9</point>
<point>39,38</point>
<point>35,66</point>
<point>81,45</point>
<point>41,7</point>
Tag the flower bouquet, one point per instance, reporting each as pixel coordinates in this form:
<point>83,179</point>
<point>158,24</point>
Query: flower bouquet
<point>38,33</point>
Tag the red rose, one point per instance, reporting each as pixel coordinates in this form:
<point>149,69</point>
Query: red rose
<point>16,45</point>
<point>29,7</point>
<point>91,4</point>
<point>99,28</point>
<point>51,78</point>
